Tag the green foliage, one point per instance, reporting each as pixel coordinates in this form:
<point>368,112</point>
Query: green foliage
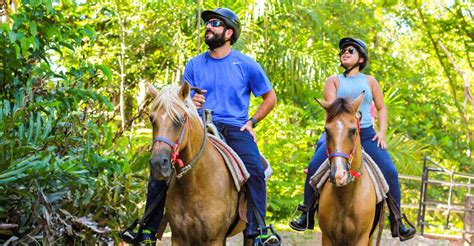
<point>67,68</point>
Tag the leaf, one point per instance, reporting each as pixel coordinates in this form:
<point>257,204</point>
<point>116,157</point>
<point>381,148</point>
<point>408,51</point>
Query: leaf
<point>49,6</point>
<point>13,36</point>
<point>47,128</point>
<point>106,71</point>
<point>33,29</point>
<point>30,127</point>
<point>38,126</point>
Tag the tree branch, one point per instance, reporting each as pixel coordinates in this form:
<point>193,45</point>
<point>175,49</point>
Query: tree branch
<point>464,75</point>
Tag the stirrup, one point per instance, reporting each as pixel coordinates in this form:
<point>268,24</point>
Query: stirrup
<point>303,209</point>
<point>300,207</point>
<point>404,217</point>
<point>273,239</point>
<point>132,234</point>
<point>403,238</point>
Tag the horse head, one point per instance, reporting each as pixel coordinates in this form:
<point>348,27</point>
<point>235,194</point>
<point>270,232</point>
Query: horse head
<point>342,134</point>
<point>170,117</point>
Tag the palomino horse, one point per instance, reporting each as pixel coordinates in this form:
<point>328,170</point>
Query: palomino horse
<point>346,209</point>
<point>202,201</point>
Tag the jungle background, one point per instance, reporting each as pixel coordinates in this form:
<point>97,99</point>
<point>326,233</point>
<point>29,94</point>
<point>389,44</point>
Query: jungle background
<point>74,131</point>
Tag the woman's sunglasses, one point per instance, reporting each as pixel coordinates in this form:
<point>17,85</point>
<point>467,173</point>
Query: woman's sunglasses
<point>214,23</point>
<point>350,50</point>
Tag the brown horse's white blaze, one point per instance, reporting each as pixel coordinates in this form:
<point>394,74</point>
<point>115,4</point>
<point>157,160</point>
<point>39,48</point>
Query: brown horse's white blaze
<point>341,177</point>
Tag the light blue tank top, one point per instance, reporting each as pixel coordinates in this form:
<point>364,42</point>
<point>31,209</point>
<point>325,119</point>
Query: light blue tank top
<point>351,87</point>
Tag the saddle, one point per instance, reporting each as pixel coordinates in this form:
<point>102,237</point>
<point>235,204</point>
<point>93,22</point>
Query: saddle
<point>321,176</point>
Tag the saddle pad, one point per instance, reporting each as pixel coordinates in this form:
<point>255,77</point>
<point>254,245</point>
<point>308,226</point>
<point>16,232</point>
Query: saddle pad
<point>318,180</point>
<point>232,160</point>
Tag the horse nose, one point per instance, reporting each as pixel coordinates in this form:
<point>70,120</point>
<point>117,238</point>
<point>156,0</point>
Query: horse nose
<point>341,177</point>
<point>160,166</point>
<point>339,173</point>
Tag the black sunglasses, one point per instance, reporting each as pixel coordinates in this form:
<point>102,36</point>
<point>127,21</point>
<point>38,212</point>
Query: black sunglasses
<point>214,23</point>
<point>350,50</point>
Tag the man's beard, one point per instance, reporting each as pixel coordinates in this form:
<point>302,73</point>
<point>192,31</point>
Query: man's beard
<point>215,41</point>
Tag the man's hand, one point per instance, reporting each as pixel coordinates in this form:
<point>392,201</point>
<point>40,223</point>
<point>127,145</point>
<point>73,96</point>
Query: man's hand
<point>199,99</point>
<point>249,127</point>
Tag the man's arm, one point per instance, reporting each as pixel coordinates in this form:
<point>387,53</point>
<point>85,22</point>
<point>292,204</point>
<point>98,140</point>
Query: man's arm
<point>269,102</point>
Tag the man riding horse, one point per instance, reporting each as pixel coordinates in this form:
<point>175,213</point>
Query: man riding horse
<point>227,77</point>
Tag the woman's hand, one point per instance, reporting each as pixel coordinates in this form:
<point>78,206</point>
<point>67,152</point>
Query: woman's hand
<point>380,137</point>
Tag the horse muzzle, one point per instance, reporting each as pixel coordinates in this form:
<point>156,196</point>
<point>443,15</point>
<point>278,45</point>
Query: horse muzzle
<point>340,175</point>
<point>160,166</point>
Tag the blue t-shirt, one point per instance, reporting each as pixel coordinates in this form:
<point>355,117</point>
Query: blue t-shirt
<point>228,82</point>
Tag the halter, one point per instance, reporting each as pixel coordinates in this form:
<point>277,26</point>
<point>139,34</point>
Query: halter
<point>175,146</point>
<point>349,157</point>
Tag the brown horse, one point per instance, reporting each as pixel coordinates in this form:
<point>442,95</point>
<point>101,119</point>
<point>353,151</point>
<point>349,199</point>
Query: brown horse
<point>202,201</point>
<point>346,209</point>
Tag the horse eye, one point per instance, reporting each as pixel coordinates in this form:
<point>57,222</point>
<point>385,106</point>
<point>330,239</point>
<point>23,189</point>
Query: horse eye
<point>152,118</point>
<point>180,121</point>
<point>353,131</point>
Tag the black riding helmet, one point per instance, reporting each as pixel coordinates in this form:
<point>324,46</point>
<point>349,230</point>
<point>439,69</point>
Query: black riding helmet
<point>230,19</point>
<point>359,45</point>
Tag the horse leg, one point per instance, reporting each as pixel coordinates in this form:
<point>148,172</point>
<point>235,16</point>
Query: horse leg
<point>371,240</point>
<point>326,240</point>
<point>363,242</point>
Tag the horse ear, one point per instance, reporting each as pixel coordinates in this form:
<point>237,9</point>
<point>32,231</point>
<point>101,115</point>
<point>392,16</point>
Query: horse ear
<point>323,104</point>
<point>152,90</point>
<point>357,102</point>
<point>184,90</point>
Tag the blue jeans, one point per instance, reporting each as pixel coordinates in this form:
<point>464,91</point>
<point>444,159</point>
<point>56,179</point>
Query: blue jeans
<point>380,156</point>
<point>242,143</point>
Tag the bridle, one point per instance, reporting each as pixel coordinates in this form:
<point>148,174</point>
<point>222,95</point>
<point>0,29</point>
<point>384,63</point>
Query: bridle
<point>175,158</point>
<point>349,157</point>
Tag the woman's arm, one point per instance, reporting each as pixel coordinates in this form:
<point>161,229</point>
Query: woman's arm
<point>330,89</point>
<point>382,110</point>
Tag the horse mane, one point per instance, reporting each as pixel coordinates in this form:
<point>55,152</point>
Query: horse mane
<point>339,106</point>
<point>168,99</point>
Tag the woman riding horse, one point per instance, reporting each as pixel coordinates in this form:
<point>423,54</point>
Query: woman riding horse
<point>353,56</point>
<point>347,205</point>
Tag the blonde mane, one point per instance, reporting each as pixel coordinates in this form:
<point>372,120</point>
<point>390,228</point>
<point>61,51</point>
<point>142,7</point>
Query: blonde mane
<point>169,100</point>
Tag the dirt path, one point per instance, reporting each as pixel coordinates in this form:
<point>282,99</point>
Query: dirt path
<point>314,239</point>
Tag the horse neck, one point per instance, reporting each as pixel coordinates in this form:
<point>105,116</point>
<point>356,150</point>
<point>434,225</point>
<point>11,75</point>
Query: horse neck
<point>198,171</point>
<point>195,133</point>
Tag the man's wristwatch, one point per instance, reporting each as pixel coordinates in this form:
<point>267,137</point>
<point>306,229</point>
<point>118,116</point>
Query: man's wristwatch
<point>254,122</point>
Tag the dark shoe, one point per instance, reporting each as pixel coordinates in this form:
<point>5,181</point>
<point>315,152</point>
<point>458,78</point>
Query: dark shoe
<point>399,229</point>
<point>303,222</point>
